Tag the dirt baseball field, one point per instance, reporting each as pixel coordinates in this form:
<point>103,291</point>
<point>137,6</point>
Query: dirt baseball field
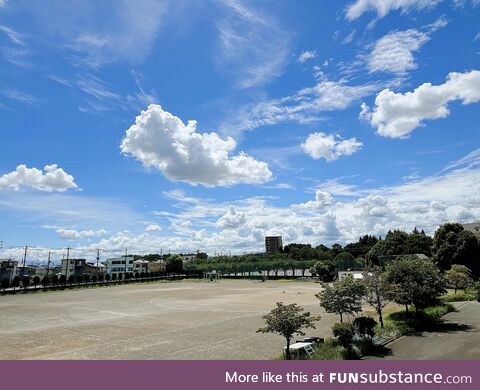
<point>176,320</point>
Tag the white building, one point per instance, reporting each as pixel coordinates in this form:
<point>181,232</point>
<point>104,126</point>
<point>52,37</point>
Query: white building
<point>189,257</point>
<point>119,265</point>
<point>140,266</point>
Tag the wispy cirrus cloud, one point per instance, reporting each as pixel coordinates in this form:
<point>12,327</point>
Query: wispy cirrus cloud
<point>253,48</point>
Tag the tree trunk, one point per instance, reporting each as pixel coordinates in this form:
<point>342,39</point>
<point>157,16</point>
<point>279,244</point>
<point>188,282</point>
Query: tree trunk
<point>406,308</point>
<point>341,318</point>
<point>380,318</point>
<point>287,352</point>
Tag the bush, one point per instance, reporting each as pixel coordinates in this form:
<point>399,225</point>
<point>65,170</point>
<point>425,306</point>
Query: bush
<point>344,334</point>
<point>62,280</point>
<point>55,280</point>
<point>107,277</point>
<point>71,279</point>
<point>114,276</point>
<point>36,281</point>
<point>365,327</point>
<point>16,282</point>
<point>329,350</point>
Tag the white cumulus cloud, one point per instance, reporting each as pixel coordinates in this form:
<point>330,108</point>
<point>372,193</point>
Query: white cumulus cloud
<point>322,199</point>
<point>231,219</point>
<point>382,7</point>
<point>396,115</point>
<point>161,140</point>
<point>330,147</point>
<point>72,234</point>
<point>153,228</point>
<point>50,179</point>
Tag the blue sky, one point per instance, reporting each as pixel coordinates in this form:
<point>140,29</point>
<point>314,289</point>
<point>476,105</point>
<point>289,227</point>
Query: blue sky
<point>317,120</point>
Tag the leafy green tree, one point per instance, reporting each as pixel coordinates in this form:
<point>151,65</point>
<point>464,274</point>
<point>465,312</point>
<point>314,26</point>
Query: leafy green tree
<point>364,327</point>
<point>16,282</point>
<point>36,281</point>
<point>287,321</point>
<point>344,333</point>
<point>458,277</point>
<point>343,297</point>
<point>45,281</point>
<point>323,269</point>
<point>55,280</point>
<point>26,281</point>
<point>418,282</point>
<point>419,242</point>
<point>174,265</point>
<point>361,248</point>
<point>378,292</point>
<point>454,245</point>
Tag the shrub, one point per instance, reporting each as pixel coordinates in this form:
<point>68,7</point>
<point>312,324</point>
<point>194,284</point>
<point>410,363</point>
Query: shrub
<point>71,279</point>
<point>365,327</point>
<point>344,334</point>
<point>36,281</point>
<point>55,280</point>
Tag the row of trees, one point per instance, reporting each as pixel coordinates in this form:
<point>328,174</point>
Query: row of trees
<point>62,280</point>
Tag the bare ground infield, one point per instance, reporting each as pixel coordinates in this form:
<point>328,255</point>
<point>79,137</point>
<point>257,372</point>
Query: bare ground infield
<point>175,320</point>
<point>181,320</point>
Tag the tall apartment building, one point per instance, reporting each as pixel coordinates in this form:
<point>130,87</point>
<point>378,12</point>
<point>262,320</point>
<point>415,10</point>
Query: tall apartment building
<point>473,227</point>
<point>273,244</point>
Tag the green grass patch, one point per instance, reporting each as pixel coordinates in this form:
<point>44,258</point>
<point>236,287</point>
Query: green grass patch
<point>400,322</point>
<point>462,295</point>
<point>329,350</point>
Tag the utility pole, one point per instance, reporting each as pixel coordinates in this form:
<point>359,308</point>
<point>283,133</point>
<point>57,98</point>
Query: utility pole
<point>24,259</point>
<point>98,259</point>
<point>125,262</point>
<point>48,263</point>
<point>66,262</point>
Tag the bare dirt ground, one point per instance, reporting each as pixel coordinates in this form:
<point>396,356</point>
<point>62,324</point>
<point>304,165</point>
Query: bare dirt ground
<point>176,320</point>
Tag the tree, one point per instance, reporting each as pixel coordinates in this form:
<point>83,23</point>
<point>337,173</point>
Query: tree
<point>364,327</point>
<point>71,279</point>
<point>454,245</point>
<point>174,265</point>
<point>324,269</point>
<point>26,281</point>
<point>63,279</point>
<point>36,281</point>
<point>344,334</point>
<point>79,279</point>
<point>361,248</point>
<point>287,321</point>
<point>343,297</point>
<point>378,292</point>
<point>16,282</point>
<point>107,277</point>
<point>54,280</point>
<point>45,281</point>
<point>458,277</point>
<point>417,282</point>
